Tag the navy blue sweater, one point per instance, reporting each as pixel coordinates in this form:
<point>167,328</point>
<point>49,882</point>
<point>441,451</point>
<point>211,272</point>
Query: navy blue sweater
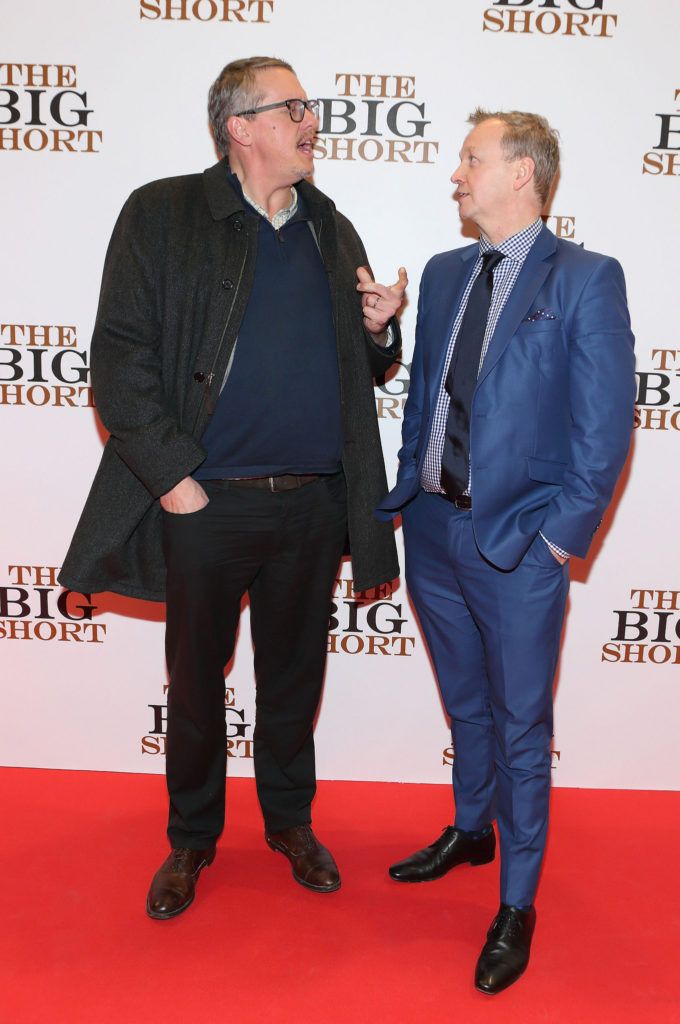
<point>279,411</point>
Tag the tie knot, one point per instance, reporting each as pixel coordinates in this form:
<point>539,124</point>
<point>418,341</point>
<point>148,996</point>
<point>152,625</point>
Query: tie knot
<point>491,259</point>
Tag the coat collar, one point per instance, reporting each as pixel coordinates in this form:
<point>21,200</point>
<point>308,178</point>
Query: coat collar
<point>543,247</point>
<point>224,202</point>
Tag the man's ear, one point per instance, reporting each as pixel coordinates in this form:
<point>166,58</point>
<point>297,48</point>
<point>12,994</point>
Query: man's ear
<point>239,131</point>
<point>524,172</point>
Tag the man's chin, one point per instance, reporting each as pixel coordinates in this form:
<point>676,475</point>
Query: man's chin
<point>466,210</point>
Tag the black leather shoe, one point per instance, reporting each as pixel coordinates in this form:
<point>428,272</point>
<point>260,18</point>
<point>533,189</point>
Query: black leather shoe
<point>506,951</point>
<point>174,884</point>
<point>453,847</point>
<point>313,865</point>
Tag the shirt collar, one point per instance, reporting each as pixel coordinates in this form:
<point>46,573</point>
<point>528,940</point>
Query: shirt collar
<point>281,217</point>
<point>517,246</point>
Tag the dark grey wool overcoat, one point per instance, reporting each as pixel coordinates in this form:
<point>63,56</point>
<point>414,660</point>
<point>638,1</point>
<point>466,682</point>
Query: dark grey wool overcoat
<point>177,277</point>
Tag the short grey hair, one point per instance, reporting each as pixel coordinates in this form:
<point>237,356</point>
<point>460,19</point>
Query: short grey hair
<point>234,89</point>
<point>527,135</point>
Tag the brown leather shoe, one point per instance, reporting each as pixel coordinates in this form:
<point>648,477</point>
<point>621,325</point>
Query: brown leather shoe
<point>313,865</point>
<point>174,884</point>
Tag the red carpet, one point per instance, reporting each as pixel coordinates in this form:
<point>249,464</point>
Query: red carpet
<point>79,849</point>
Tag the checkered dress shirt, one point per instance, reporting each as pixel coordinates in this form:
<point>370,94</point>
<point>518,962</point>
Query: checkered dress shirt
<point>283,216</point>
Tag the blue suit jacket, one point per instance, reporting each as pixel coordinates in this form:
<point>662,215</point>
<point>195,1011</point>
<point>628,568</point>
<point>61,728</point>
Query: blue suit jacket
<point>552,413</point>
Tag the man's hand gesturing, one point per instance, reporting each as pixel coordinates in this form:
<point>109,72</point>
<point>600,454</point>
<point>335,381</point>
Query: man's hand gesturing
<point>380,302</point>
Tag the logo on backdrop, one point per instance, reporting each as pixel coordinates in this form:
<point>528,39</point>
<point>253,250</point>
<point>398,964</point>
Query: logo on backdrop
<point>648,631</point>
<point>449,757</point>
<point>562,225</point>
<point>43,109</point>
<point>239,731</point>
<point>207,10</point>
<point>374,118</point>
<point>41,364</point>
<point>392,393</point>
<point>657,405</point>
<point>664,157</point>
<point>33,606</point>
<point>367,622</point>
<point>550,18</point>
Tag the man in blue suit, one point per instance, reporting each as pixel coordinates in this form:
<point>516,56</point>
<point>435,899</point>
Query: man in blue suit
<point>516,428</point>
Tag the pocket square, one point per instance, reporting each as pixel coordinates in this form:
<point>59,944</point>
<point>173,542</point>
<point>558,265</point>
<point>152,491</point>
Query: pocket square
<point>540,314</point>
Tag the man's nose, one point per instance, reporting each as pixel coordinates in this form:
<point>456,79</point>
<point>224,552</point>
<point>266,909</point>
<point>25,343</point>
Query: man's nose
<point>310,118</point>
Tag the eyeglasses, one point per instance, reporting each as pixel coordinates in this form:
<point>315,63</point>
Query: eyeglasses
<point>296,109</point>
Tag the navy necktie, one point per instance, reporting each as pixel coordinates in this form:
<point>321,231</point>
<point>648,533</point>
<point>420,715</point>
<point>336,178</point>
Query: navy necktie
<point>461,379</point>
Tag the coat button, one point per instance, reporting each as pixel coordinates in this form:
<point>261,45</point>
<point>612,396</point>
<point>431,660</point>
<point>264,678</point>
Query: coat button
<point>227,284</point>
<point>199,377</point>
<point>238,225</point>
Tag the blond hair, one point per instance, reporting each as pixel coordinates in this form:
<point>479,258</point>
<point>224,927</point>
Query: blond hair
<point>527,135</point>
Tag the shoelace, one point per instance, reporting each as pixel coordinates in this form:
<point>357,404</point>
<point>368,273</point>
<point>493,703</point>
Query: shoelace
<point>181,860</point>
<point>306,835</point>
<point>506,925</point>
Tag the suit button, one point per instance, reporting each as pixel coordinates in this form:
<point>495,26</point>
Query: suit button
<point>199,377</point>
<point>238,225</point>
<point>227,284</point>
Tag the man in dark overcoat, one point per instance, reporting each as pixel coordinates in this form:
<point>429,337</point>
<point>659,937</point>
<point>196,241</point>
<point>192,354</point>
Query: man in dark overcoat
<point>237,336</point>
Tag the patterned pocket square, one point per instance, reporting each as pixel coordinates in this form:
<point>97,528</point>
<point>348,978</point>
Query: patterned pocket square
<point>540,314</point>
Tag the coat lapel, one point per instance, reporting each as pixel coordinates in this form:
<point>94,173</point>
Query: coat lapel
<point>537,266</point>
<point>442,313</point>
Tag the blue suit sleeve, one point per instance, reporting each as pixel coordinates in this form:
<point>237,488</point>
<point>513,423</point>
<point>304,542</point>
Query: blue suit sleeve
<point>413,409</point>
<point>601,398</point>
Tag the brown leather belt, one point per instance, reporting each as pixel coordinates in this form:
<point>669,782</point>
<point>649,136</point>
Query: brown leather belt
<point>285,482</point>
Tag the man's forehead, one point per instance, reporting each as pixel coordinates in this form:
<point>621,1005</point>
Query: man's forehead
<point>485,135</point>
<point>279,83</point>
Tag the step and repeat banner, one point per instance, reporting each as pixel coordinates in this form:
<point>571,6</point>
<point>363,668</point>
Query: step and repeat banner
<point>98,98</point>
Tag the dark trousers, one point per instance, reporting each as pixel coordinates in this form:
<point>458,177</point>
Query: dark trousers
<point>494,639</point>
<point>283,549</point>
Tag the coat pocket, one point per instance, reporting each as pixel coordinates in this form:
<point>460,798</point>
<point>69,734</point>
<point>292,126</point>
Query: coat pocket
<point>546,471</point>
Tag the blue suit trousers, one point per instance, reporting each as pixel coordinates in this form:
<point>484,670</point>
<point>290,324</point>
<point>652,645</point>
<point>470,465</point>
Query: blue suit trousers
<point>494,638</point>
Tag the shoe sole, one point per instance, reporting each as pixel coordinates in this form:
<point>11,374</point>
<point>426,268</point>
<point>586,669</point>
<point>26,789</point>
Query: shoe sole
<point>171,913</point>
<point>307,885</point>
<point>441,874</point>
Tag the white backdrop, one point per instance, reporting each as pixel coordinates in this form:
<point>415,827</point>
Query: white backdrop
<point>96,99</point>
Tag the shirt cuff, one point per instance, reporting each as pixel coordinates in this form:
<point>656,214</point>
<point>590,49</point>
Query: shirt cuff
<point>553,547</point>
<point>389,337</point>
